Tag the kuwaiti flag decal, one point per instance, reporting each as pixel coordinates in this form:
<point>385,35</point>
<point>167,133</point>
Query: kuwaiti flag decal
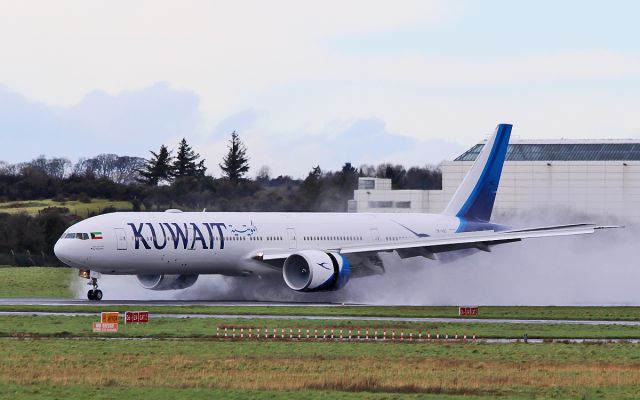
<point>96,235</point>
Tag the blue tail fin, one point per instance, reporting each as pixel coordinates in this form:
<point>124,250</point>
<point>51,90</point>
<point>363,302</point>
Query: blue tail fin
<point>473,201</point>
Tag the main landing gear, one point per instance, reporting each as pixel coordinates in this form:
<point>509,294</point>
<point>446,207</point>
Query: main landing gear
<point>95,293</point>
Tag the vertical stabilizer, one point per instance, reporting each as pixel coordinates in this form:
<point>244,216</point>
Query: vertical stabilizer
<point>473,201</point>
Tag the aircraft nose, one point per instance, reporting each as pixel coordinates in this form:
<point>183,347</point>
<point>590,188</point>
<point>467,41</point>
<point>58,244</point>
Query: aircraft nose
<point>61,250</point>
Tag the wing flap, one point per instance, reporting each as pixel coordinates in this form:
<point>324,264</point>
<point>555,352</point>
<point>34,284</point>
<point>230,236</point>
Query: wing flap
<point>486,237</point>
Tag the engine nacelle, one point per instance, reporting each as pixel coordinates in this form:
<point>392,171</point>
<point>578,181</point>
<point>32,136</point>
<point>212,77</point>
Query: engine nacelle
<point>316,270</point>
<point>167,282</point>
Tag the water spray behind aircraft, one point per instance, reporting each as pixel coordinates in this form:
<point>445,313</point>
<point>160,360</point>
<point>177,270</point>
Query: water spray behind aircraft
<point>569,271</point>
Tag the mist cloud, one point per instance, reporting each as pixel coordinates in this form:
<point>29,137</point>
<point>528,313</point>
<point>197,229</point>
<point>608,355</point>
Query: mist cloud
<point>598,269</point>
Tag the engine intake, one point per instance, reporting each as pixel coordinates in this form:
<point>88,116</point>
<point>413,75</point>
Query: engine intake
<point>167,282</point>
<point>316,270</point>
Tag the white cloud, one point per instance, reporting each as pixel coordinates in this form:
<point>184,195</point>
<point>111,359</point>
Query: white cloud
<point>268,70</point>
<point>360,141</point>
<point>59,51</point>
<point>131,123</point>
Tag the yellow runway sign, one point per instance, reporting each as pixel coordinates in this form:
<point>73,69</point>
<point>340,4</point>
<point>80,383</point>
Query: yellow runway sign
<point>110,317</point>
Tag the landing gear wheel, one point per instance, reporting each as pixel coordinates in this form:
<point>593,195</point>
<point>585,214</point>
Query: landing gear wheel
<point>95,293</point>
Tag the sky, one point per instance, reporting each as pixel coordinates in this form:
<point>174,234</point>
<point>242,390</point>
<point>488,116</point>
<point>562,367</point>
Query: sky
<point>314,82</point>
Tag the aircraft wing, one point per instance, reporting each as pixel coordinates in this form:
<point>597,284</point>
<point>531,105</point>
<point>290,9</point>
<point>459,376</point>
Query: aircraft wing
<point>428,245</point>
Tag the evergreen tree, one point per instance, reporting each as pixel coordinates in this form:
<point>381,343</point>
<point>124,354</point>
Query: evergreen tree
<point>185,162</point>
<point>312,184</point>
<point>236,163</point>
<point>347,178</point>
<point>347,168</point>
<point>200,168</point>
<point>158,168</point>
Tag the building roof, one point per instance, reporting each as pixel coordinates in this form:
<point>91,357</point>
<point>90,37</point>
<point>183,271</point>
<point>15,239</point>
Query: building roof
<point>565,150</point>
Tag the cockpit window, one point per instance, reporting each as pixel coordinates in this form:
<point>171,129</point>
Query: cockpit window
<point>81,236</point>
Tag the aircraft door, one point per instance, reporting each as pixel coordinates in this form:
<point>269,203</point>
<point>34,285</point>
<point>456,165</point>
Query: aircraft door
<point>375,235</point>
<point>121,239</point>
<point>292,238</point>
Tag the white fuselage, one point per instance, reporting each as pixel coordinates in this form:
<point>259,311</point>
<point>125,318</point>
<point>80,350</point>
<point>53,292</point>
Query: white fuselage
<point>226,243</point>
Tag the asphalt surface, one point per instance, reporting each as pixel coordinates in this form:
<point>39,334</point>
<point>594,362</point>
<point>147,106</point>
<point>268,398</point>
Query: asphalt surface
<point>83,302</point>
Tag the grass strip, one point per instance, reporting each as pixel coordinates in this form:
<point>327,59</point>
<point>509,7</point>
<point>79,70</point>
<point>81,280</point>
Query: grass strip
<point>113,391</point>
<point>364,370</point>
<point>76,207</point>
<point>36,282</point>
<point>486,312</point>
<point>80,326</point>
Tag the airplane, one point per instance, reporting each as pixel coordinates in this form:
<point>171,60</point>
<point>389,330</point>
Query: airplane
<point>313,251</point>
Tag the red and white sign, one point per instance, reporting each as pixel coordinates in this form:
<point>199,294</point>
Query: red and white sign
<point>105,327</point>
<point>136,317</point>
<point>468,311</point>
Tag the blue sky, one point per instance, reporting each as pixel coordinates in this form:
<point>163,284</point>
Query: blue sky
<point>308,83</point>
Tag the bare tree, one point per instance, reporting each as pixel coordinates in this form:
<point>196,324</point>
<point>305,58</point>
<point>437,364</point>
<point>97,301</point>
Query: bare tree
<point>53,167</point>
<point>8,169</point>
<point>264,174</point>
<point>118,169</point>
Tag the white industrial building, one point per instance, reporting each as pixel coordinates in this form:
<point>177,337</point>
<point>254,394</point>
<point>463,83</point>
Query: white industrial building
<point>592,176</point>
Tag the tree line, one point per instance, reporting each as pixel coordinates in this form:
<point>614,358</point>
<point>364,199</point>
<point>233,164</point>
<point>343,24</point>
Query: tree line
<point>165,180</point>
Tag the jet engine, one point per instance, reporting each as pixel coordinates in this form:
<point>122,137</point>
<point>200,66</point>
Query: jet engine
<point>315,270</point>
<point>167,282</point>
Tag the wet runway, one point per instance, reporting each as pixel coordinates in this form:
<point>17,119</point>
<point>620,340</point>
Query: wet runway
<point>83,302</point>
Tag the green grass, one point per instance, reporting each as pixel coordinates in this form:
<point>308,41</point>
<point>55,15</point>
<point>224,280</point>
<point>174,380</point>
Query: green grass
<point>76,207</point>
<point>181,358</point>
<point>47,392</point>
<point>59,368</point>
<point>36,282</point>
<point>80,326</point>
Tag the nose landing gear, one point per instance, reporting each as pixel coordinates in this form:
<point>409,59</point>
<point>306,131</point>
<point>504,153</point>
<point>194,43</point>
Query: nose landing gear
<point>95,293</point>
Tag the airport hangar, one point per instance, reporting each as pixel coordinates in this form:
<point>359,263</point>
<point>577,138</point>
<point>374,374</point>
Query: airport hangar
<point>597,177</point>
